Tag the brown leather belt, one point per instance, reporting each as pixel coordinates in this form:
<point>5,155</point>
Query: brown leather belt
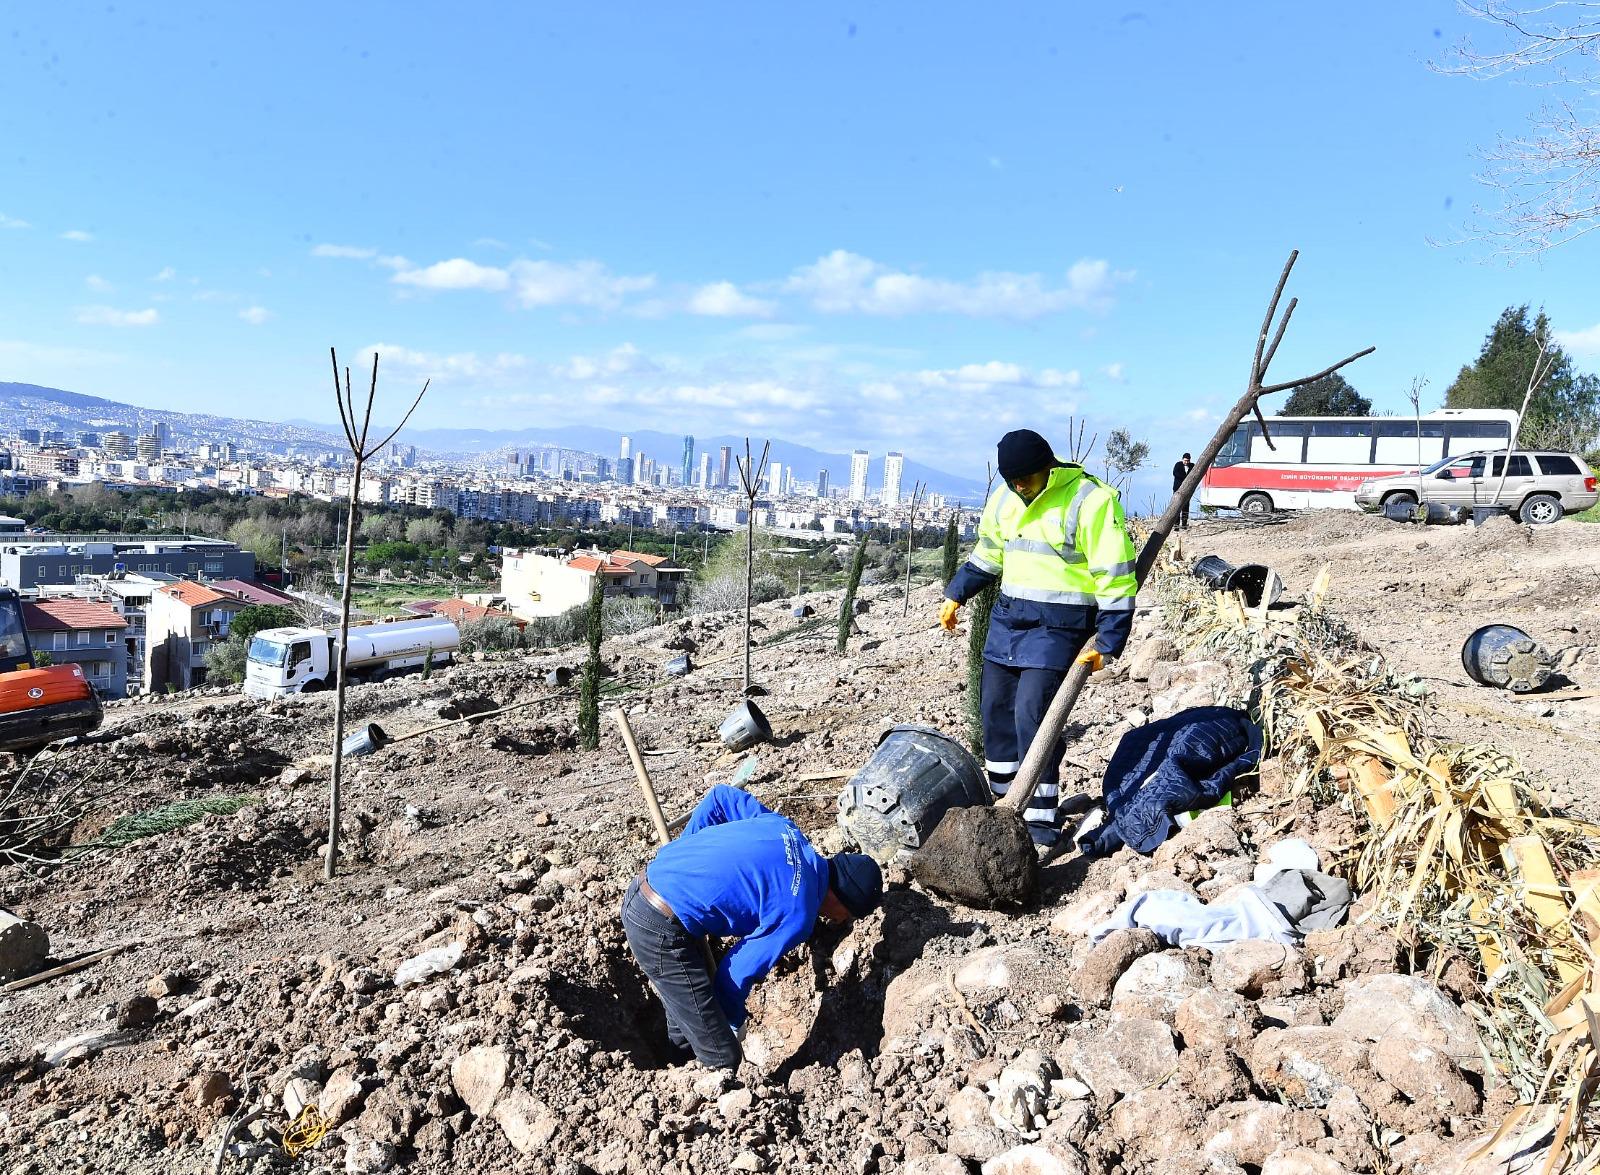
<point>659,903</point>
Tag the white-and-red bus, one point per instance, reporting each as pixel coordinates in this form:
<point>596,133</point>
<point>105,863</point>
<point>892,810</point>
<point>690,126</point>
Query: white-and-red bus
<point>1319,461</point>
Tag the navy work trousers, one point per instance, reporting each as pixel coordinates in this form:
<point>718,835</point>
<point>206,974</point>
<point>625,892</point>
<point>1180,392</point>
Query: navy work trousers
<point>673,961</point>
<point>1014,702</point>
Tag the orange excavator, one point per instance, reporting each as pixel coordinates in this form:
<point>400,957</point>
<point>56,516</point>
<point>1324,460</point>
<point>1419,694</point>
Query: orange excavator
<point>38,706</point>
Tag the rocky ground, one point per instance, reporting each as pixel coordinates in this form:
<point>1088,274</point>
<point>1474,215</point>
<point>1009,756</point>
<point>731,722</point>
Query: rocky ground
<point>460,996</point>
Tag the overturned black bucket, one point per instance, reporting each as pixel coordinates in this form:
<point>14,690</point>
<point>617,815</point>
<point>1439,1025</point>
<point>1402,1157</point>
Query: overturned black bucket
<point>369,738</point>
<point>560,676</point>
<point>1505,657</point>
<point>678,666</point>
<point>1255,580</point>
<point>745,727</point>
<point>892,805</point>
<point>1402,510</point>
<point>801,611</point>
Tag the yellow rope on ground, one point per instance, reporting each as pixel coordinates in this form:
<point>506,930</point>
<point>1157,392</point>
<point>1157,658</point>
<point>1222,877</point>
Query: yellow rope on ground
<point>305,1131</point>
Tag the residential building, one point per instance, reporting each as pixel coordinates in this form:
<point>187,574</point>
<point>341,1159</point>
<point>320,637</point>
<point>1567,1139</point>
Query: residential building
<point>183,622</point>
<point>894,468</point>
<point>858,475</point>
<point>254,593</point>
<point>118,446</point>
<point>82,632</point>
<point>88,440</point>
<point>148,450</point>
<point>546,581</point>
<point>28,436</point>
<point>29,561</point>
<point>51,463</point>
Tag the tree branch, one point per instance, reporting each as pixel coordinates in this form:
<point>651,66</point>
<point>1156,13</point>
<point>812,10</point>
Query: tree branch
<point>1295,383</point>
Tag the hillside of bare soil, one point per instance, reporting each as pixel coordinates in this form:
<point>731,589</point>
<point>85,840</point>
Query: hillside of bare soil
<point>461,997</point>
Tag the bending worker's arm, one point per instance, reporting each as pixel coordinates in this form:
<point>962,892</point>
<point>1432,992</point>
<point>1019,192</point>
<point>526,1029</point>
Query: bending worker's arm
<point>723,805</point>
<point>1103,538</point>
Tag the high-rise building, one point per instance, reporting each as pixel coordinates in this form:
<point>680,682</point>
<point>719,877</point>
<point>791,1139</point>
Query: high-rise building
<point>88,440</point>
<point>704,480</point>
<point>686,470</point>
<point>724,458</point>
<point>822,483</point>
<point>775,473</point>
<point>162,433</point>
<point>149,449</point>
<point>627,449</point>
<point>31,436</point>
<point>625,470</point>
<point>644,470</point>
<point>53,437</point>
<point>858,475</point>
<point>118,445</point>
<point>894,468</point>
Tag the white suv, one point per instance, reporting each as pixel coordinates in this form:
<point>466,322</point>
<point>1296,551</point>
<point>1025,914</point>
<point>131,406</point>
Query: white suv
<point>1540,487</point>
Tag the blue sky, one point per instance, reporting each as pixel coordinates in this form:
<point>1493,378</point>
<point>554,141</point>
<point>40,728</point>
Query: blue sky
<point>892,226</point>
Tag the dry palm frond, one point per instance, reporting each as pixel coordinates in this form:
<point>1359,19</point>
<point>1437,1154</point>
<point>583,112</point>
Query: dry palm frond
<point>1460,845</point>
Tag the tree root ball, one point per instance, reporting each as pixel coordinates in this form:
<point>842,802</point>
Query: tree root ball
<point>981,857</point>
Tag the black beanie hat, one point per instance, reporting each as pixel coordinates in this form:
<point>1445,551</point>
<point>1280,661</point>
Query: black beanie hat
<point>1023,452</point>
<point>857,880</point>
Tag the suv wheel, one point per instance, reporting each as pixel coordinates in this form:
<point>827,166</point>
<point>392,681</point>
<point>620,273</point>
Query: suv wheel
<point>1404,497</point>
<point>1541,510</point>
<point>1255,505</point>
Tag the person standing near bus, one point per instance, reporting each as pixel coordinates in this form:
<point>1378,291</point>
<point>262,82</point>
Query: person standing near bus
<point>1179,472</point>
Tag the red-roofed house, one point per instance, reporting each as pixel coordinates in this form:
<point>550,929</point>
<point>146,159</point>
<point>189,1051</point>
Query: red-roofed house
<point>253,593</point>
<point>183,622</point>
<point>83,631</point>
<point>546,581</point>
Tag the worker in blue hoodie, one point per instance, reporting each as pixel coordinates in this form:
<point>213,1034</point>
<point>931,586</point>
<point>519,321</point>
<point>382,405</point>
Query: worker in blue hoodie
<point>741,871</point>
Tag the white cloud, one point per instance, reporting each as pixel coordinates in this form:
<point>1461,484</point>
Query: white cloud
<point>1115,372</point>
<point>773,332</point>
<point>12,222</point>
<point>726,300</point>
<point>456,274</point>
<point>348,252</point>
<point>98,284</point>
<point>255,315</point>
<point>576,283</point>
<point>490,243</point>
<point>165,274</point>
<point>1584,342</point>
<point>843,282</point>
<point>110,316</point>
<point>982,377</point>
<point>464,364</point>
<point>622,360</point>
<point>77,234</point>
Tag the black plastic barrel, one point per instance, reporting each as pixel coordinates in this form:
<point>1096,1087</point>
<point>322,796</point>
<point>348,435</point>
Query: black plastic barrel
<point>745,727</point>
<point>917,774</point>
<point>678,666</point>
<point>1400,510</point>
<point>801,611</point>
<point>369,738</point>
<point>1255,580</point>
<point>1505,657</point>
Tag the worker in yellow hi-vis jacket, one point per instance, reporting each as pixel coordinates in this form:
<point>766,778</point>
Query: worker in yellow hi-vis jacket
<point>1055,539</point>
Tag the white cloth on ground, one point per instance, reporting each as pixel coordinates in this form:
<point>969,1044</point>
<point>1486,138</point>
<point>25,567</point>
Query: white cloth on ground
<point>1292,853</point>
<point>1183,920</point>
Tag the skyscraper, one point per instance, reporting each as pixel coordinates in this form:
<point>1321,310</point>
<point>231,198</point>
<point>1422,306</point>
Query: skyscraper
<point>627,449</point>
<point>894,467</point>
<point>724,457</point>
<point>822,483</point>
<point>858,475</point>
<point>704,480</point>
<point>625,470</point>
<point>775,474</point>
<point>687,469</point>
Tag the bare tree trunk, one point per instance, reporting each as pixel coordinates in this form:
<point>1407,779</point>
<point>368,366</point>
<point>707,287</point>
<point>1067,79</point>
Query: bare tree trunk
<point>330,866</point>
<point>749,586</point>
<point>1537,377</point>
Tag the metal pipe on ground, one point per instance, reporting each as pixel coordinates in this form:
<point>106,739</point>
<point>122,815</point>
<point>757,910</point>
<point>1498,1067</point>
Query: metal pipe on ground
<point>1505,657</point>
<point>1255,580</point>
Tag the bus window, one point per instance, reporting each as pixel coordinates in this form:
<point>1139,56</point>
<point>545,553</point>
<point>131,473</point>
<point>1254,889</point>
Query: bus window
<point>1234,448</point>
<point>1469,435</point>
<point>1396,443</point>
<point>1340,442</point>
<point>1289,439</point>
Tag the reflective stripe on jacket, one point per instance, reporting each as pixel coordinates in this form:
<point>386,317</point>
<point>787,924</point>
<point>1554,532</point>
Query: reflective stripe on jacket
<point>1065,566</point>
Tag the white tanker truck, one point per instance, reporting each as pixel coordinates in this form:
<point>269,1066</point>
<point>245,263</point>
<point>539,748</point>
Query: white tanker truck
<point>300,660</point>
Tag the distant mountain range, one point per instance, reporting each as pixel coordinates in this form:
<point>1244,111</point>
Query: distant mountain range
<point>24,405</point>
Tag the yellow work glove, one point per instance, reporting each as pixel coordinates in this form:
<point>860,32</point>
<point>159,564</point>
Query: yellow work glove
<point>1093,659</point>
<point>947,614</point>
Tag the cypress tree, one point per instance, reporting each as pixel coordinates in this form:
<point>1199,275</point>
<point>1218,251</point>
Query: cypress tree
<point>982,605</point>
<point>589,689</point>
<point>847,606</point>
<point>951,540</point>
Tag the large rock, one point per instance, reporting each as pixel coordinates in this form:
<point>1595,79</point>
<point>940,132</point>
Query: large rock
<point>1154,987</point>
<point>1109,958</point>
<point>1169,1114</point>
<point>341,1098</point>
<point>1351,950</point>
<point>84,1044</point>
<point>1149,653</point>
<point>922,991</point>
<point>1210,1018</point>
<point>528,1123</point>
<point>1427,1076</point>
<point>479,1074</point>
<point>1300,1161</point>
<point>1248,1132</point>
<point>1254,967</point>
<point>429,964</point>
<point>24,946</point>
<point>1124,1057</point>
<point>1307,1066</point>
<point>1037,1159</point>
<point>1078,918</point>
<point>1376,1006</point>
<point>935,1165</point>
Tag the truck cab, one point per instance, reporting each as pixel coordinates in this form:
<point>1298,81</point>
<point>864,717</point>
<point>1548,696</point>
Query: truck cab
<point>287,661</point>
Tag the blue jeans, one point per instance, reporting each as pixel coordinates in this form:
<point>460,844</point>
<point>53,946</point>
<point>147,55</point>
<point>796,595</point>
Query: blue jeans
<point>673,961</point>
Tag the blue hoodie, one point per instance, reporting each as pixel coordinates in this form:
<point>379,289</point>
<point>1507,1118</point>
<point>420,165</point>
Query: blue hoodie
<point>740,870</point>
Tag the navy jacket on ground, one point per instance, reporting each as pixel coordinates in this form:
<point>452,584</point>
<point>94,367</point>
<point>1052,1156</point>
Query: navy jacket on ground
<point>1173,765</point>
<point>740,870</point>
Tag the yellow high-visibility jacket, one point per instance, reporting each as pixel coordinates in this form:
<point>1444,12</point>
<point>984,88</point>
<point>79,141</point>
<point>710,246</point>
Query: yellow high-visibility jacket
<point>1065,566</point>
